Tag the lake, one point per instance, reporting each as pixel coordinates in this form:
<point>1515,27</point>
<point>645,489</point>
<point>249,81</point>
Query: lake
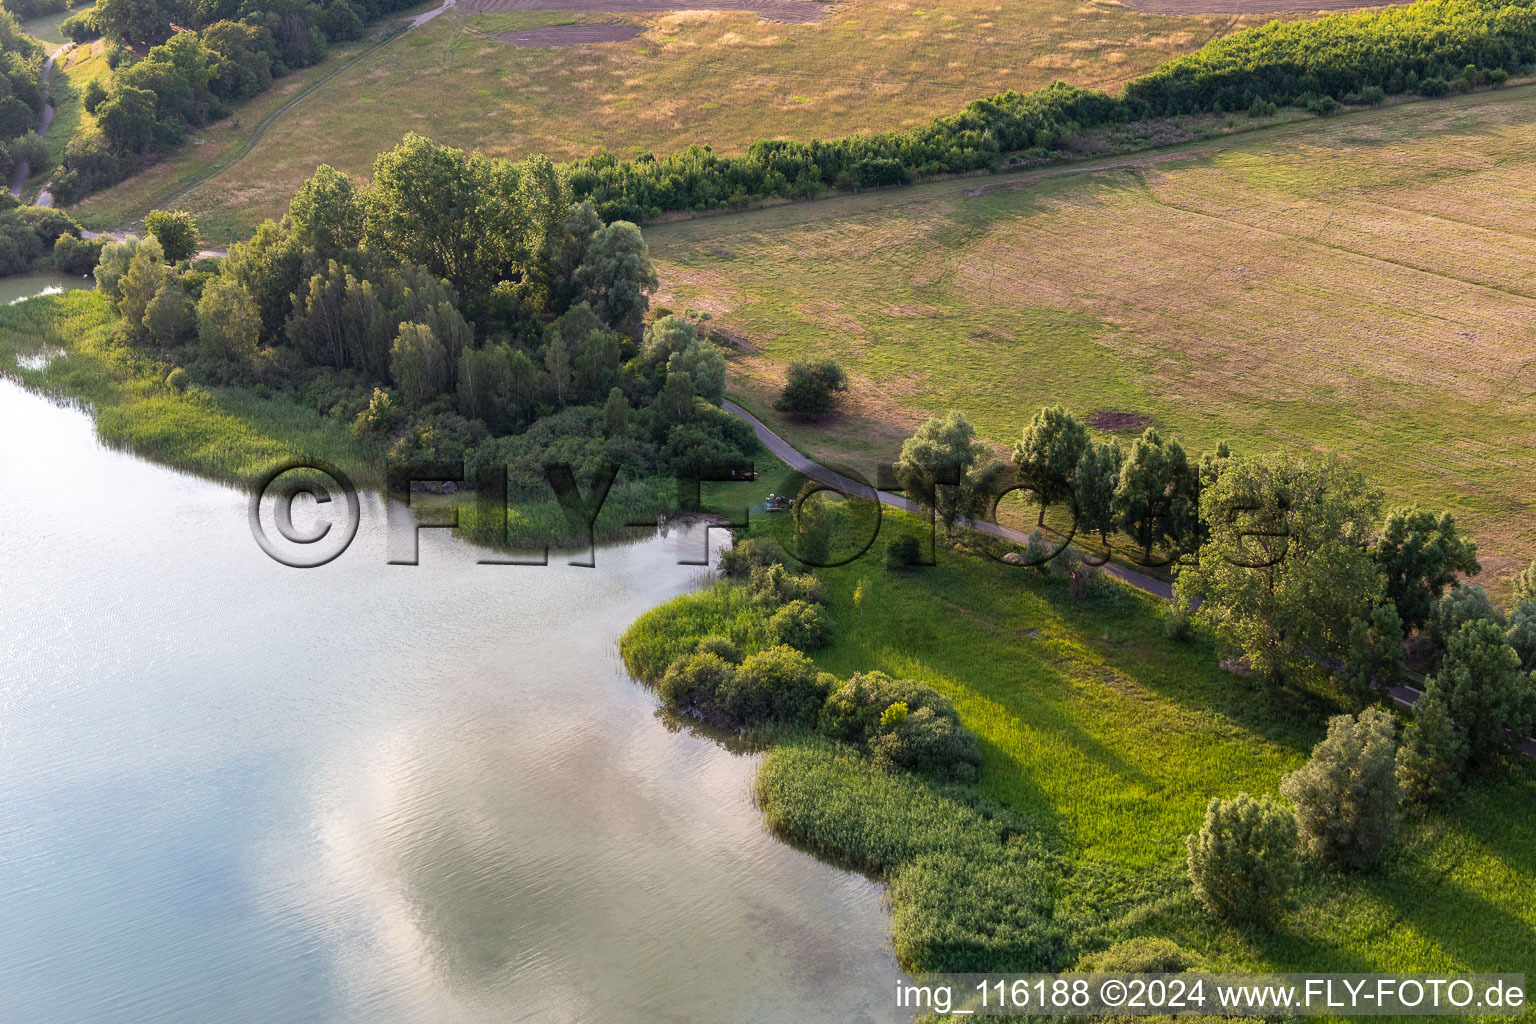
<point>237,791</point>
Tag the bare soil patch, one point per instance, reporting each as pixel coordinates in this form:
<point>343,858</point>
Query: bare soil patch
<point>1250,6</point>
<point>794,11</point>
<point>1119,421</point>
<point>570,35</point>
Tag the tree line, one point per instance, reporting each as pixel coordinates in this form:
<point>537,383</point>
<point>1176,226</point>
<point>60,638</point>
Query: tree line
<point>452,308</point>
<point>1429,47</point>
<point>219,53</point>
<point>1291,564</point>
<point>21,91</point>
<point>1299,576</point>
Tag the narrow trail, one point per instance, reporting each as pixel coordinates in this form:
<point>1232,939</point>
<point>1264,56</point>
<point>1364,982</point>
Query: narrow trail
<point>23,170</point>
<point>1403,695</point>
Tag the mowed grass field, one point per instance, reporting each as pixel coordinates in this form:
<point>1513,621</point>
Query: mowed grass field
<point>1364,284</point>
<point>717,78</point>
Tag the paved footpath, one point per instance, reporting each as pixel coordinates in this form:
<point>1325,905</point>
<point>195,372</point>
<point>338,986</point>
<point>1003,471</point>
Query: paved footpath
<point>1404,695</point>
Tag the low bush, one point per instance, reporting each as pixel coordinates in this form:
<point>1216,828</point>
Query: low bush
<point>778,685</point>
<point>1242,864</point>
<point>801,625</point>
<point>741,558</point>
<point>927,737</point>
<point>903,552</point>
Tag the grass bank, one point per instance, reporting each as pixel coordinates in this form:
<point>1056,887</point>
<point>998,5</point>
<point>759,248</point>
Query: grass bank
<point>1102,740</point>
<point>225,433</point>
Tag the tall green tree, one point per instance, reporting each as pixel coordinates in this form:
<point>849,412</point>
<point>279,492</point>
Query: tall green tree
<point>418,363</point>
<point>1094,483</point>
<point>228,322</point>
<point>327,213</point>
<point>1433,754</point>
<point>1375,652</point>
<point>938,466</point>
<point>1157,498</point>
<point>1285,571</point>
<point>1047,455</point>
<point>616,277</point>
<point>1484,691</point>
<point>1420,554</point>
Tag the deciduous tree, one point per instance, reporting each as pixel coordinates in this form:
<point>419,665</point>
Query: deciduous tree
<point>1047,455</point>
<point>1420,554</point>
<point>1285,570</point>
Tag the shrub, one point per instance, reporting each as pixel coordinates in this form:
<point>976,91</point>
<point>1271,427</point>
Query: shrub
<point>1179,624</point>
<point>1242,863</point>
<point>903,552</point>
<point>1433,754</point>
<point>1525,584</point>
<point>75,255</point>
<point>740,559</point>
<point>925,736</point>
<point>721,648</point>
<point>1323,105</point>
<point>801,625</point>
<point>926,741</point>
<point>811,388</point>
<point>176,380</point>
<point>1145,954</point>
<point>1433,87</point>
<point>1346,797</point>
<point>79,28</point>
<point>692,685</point>
<point>776,685</point>
<point>775,584</point>
<point>93,95</point>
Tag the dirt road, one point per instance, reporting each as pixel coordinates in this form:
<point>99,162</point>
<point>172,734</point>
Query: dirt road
<point>24,168</point>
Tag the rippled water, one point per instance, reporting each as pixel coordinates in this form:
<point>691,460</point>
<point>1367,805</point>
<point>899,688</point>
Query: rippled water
<point>234,791</point>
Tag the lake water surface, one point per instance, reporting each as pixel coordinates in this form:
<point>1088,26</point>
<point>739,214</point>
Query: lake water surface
<point>235,791</point>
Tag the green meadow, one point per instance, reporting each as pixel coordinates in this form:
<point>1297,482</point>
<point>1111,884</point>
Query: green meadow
<point>1108,738</point>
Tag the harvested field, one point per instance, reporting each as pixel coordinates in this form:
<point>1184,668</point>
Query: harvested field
<point>795,12</point>
<point>723,78</point>
<point>1364,284</point>
<point>570,35</point>
<point>1252,6</point>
